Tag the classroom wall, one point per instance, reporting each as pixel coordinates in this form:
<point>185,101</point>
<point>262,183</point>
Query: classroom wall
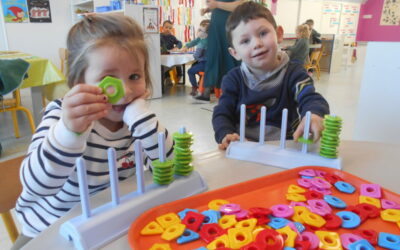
<point>42,39</point>
<point>3,35</point>
<point>369,28</point>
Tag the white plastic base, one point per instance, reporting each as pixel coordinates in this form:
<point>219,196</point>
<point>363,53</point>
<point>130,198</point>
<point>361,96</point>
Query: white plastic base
<point>109,222</point>
<point>275,156</point>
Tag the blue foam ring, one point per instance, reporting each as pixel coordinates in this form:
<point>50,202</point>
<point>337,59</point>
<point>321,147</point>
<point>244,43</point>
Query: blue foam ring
<point>361,244</point>
<point>306,177</point>
<point>289,248</point>
<point>211,216</point>
<point>345,187</point>
<point>183,213</point>
<point>187,236</point>
<point>300,227</point>
<point>335,201</point>
<point>390,241</point>
<point>277,223</point>
<point>201,248</point>
<point>349,219</point>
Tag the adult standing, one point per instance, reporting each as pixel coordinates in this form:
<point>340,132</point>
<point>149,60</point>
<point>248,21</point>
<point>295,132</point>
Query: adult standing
<point>219,61</point>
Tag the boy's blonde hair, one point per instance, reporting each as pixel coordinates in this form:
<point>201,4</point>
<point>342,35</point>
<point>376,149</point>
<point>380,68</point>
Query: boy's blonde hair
<point>303,31</point>
<point>100,30</point>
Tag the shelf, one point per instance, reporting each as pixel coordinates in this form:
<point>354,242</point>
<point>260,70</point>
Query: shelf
<point>86,3</point>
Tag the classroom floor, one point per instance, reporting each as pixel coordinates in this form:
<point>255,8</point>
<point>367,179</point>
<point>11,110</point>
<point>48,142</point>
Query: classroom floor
<point>177,108</point>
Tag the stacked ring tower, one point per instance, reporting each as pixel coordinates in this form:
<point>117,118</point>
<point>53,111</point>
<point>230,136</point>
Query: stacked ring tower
<point>163,170</point>
<point>182,152</point>
<point>330,136</point>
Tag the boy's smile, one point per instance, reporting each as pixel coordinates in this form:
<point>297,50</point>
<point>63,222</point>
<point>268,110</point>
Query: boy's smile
<point>256,44</point>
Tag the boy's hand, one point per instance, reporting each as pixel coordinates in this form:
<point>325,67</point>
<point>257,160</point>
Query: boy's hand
<point>228,139</point>
<point>82,105</point>
<point>184,49</point>
<point>316,127</point>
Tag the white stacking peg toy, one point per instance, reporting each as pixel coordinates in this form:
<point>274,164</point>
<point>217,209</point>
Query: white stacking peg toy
<point>272,155</point>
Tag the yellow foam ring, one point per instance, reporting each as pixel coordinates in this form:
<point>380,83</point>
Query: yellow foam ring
<point>173,232</point>
<point>167,220</point>
<point>239,237</point>
<point>329,240</point>
<point>369,200</point>
<point>294,189</point>
<point>152,228</point>
<point>313,219</point>
<point>289,234</point>
<point>227,221</point>
<point>295,197</point>
<point>215,204</point>
<point>392,215</point>
<point>158,246</point>
<point>398,224</point>
<point>249,223</point>
<point>298,210</point>
<point>221,241</point>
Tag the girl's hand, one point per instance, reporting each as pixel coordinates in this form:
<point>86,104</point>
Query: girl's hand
<point>82,105</point>
<point>212,4</point>
<point>316,127</point>
<point>228,139</point>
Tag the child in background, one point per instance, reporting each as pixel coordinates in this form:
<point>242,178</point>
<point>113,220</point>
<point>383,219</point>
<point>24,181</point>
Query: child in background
<point>266,77</point>
<point>167,39</point>
<point>84,124</point>
<point>299,51</point>
<point>315,37</point>
<point>200,55</point>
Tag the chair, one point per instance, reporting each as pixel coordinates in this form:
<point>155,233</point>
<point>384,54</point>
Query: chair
<point>313,62</point>
<point>11,77</point>
<point>10,189</point>
<point>217,91</point>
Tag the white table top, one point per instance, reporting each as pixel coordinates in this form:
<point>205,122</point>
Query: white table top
<point>176,59</point>
<point>374,162</point>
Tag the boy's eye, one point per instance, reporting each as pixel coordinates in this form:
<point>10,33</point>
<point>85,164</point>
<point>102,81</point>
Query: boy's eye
<point>134,77</point>
<point>245,41</point>
<point>263,33</point>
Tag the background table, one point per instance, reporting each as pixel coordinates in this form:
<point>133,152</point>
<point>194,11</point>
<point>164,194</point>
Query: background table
<point>175,59</point>
<point>375,162</point>
<point>41,72</point>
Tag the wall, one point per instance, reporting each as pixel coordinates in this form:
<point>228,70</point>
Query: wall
<point>3,35</point>
<point>42,39</point>
<point>369,29</point>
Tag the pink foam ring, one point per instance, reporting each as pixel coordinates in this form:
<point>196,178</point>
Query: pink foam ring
<point>387,204</point>
<point>348,238</point>
<point>282,211</point>
<point>322,191</point>
<point>304,182</point>
<point>320,173</point>
<point>242,214</point>
<point>297,204</point>
<point>320,183</point>
<point>319,206</point>
<point>307,172</point>
<point>312,238</point>
<point>230,208</point>
<point>371,190</point>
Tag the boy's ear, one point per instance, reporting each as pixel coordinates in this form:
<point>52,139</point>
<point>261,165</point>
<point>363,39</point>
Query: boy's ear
<point>279,33</point>
<point>233,53</point>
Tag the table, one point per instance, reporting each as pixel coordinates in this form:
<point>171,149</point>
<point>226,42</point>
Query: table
<point>173,59</point>
<point>41,72</point>
<point>375,162</point>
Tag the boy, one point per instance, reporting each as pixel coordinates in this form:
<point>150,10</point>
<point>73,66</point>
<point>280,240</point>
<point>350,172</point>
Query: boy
<point>315,36</point>
<point>167,39</point>
<point>265,78</point>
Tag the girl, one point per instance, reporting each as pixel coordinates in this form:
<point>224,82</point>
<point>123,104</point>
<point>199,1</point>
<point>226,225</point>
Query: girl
<point>84,124</point>
<point>299,51</point>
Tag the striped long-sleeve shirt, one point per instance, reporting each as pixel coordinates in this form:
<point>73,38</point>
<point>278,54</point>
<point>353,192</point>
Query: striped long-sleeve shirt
<point>48,173</point>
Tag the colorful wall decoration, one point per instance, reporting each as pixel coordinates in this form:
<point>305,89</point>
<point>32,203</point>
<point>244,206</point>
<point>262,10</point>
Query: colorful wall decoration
<point>15,11</point>
<point>39,11</point>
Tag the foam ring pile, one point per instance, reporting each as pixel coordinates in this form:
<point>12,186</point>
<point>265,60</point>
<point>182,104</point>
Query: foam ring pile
<point>330,136</point>
<point>182,153</point>
<point>163,172</point>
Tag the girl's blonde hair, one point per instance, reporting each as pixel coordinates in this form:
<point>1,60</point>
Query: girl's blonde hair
<point>100,30</point>
<point>303,31</point>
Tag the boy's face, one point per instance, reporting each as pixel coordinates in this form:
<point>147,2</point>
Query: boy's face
<point>201,32</point>
<point>256,44</point>
<point>167,29</point>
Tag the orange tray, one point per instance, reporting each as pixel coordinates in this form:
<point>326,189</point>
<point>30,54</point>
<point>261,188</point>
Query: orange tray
<point>261,192</point>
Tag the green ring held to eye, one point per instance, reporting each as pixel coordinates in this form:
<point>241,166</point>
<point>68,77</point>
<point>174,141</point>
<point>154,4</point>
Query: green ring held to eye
<point>115,83</point>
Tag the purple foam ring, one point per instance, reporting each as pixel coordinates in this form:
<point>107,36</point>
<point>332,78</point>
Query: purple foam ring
<point>312,238</point>
<point>319,206</point>
<point>320,183</point>
<point>297,204</point>
<point>387,204</point>
<point>242,214</point>
<point>282,211</point>
<point>371,190</point>
<point>304,182</point>
<point>307,172</point>
<point>321,190</point>
<point>320,173</point>
<point>230,208</point>
<point>348,238</point>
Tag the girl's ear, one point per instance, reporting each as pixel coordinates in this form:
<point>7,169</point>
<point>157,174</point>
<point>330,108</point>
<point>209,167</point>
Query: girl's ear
<point>233,53</point>
<point>279,33</point>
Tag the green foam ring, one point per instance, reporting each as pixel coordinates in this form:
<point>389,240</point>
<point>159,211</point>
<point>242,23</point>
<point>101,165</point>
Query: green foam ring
<point>116,83</point>
<point>308,141</point>
<point>182,153</point>
<point>330,136</point>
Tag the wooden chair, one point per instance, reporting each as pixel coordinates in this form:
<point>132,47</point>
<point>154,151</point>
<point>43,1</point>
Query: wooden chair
<point>313,62</point>
<point>10,189</point>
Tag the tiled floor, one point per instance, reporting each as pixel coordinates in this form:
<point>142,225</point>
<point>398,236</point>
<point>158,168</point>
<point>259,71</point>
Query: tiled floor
<point>178,109</point>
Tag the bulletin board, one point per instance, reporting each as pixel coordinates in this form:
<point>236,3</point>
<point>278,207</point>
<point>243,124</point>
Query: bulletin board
<point>331,17</point>
<point>349,21</point>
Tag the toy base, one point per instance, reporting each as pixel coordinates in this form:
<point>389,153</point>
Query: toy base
<point>275,156</point>
<point>109,221</point>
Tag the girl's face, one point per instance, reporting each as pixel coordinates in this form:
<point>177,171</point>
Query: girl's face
<point>118,63</point>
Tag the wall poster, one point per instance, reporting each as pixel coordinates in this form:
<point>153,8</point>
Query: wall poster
<point>390,12</point>
<point>15,11</point>
<point>39,11</point>
<point>150,20</point>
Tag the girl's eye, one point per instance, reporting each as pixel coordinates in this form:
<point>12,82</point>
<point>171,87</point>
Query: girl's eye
<point>245,41</point>
<point>134,77</point>
<point>263,33</point>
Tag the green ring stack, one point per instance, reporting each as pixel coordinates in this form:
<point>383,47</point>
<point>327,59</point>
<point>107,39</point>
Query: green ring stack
<point>182,153</point>
<point>330,136</point>
<point>163,172</point>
